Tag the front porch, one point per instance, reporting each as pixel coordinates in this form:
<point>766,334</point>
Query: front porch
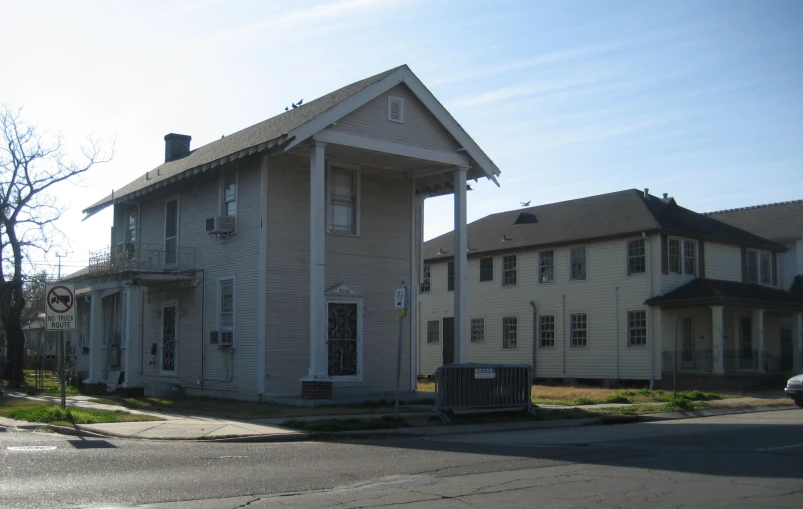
<point>738,330</point>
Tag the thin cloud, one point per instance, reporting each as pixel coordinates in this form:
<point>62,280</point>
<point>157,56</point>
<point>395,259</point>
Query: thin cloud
<point>517,91</point>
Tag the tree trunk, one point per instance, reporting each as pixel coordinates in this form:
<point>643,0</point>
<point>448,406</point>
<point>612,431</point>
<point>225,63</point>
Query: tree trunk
<point>12,304</point>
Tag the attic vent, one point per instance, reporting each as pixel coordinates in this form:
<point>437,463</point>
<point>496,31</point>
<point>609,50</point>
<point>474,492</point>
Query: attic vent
<point>395,109</point>
<point>526,218</point>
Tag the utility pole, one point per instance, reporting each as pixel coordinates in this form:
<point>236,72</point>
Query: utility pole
<point>60,256</point>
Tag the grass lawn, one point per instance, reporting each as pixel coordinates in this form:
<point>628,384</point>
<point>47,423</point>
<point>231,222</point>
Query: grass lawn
<point>244,410</point>
<point>36,411</point>
<point>51,384</point>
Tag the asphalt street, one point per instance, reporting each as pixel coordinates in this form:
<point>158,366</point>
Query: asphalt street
<point>746,460</point>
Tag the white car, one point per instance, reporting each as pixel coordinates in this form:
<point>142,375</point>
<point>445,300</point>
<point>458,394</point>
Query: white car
<point>794,389</point>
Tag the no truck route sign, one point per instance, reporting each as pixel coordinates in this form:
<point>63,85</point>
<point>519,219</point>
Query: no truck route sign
<point>60,307</point>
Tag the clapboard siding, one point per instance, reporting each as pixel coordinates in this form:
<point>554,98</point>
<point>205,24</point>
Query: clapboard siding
<point>228,370</point>
<point>723,261</point>
<point>419,129</point>
<point>596,296</point>
<point>788,264</point>
<point>373,264</point>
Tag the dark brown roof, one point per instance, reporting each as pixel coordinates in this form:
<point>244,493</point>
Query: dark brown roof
<point>774,221</point>
<point>261,136</point>
<point>716,292</point>
<point>612,215</point>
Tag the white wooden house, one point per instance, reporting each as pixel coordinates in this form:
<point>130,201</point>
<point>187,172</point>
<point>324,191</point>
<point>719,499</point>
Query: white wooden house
<point>263,265</point>
<point>593,289</point>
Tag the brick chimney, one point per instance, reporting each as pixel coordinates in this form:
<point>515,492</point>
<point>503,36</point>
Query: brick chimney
<point>176,146</point>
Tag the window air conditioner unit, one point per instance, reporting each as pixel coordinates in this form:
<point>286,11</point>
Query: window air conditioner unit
<point>126,247</point>
<point>220,224</point>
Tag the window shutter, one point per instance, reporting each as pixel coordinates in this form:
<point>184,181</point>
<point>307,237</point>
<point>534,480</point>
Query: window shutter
<point>744,264</point>
<point>701,259</point>
<point>774,268</point>
<point>664,255</point>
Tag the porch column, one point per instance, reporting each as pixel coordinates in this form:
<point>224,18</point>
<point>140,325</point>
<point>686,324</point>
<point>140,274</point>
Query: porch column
<point>797,338</point>
<point>131,332</point>
<point>758,318</point>
<point>317,268</point>
<point>96,337</point>
<point>718,328</point>
<point>460,267</point>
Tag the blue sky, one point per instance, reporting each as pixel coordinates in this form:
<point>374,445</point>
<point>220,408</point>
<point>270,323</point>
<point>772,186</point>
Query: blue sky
<point>702,100</point>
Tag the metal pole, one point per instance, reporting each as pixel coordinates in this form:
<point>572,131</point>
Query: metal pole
<point>63,354</point>
<point>398,365</point>
<point>675,371</point>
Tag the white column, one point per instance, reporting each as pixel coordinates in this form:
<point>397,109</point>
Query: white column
<point>460,268</point>
<point>797,338</point>
<point>758,318</point>
<point>718,327</point>
<point>96,337</point>
<point>262,278</point>
<point>414,287</point>
<point>132,336</point>
<point>317,268</point>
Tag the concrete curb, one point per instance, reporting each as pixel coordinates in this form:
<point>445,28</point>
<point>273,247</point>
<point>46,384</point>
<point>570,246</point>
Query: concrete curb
<point>712,412</point>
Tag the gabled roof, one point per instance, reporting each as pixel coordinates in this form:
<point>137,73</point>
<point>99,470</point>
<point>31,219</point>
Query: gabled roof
<point>292,127</point>
<point>776,221</point>
<point>716,292</point>
<point>605,216</point>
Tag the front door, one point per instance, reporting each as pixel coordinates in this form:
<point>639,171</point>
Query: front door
<point>448,340</point>
<point>343,339</point>
<point>687,359</point>
<point>787,352</point>
<point>746,346</point>
<point>169,350</point>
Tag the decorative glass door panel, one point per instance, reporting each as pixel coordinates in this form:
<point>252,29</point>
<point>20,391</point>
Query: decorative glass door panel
<point>169,338</point>
<point>342,338</point>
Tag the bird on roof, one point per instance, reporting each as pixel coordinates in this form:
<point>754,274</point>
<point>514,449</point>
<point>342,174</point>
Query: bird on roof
<point>299,102</point>
<point>525,203</point>
<point>286,108</point>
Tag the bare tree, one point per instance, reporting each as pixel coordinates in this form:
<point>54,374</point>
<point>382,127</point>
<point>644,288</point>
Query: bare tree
<point>31,163</point>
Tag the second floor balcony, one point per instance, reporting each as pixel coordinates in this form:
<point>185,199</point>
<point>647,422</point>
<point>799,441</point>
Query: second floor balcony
<point>142,258</point>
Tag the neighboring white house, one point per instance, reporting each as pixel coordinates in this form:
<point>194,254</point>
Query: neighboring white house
<point>593,289</point>
<point>263,265</point>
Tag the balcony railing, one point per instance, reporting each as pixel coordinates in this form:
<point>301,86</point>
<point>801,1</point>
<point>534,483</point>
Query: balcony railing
<point>133,257</point>
<point>696,360</point>
<point>741,359</point>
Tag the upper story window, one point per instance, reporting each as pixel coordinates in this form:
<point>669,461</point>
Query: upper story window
<point>546,266</point>
<point>636,257</point>
<point>486,269</point>
<point>131,226</point>
<point>171,232</point>
<point>509,270</point>
<point>229,197</point>
<point>343,200</point>
<point>450,277</point>
<point>425,280</point>
<point>578,261</point>
<point>759,267</point>
<point>682,256</point>
<point>226,312</point>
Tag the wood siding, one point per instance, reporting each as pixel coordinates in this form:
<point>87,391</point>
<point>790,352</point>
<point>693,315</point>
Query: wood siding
<point>723,262</point>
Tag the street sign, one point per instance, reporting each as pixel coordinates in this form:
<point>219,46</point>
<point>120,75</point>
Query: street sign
<point>60,307</point>
<point>400,301</point>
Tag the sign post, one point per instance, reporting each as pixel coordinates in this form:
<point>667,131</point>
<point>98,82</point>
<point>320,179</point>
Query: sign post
<point>60,316</point>
<point>402,302</point>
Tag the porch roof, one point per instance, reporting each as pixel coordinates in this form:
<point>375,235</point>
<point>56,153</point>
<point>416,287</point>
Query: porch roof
<point>715,292</point>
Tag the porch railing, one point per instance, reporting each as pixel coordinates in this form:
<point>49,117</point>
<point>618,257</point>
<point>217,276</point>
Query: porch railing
<point>133,257</point>
<point>741,359</point>
<point>696,360</point>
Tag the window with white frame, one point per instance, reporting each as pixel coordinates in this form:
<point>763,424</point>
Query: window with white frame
<point>579,330</point>
<point>131,225</point>
<point>546,266</point>
<point>229,194</point>
<point>486,269</point>
<point>343,200</point>
<point>546,331</point>
<point>425,281</point>
<point>689,257</point>
<point>636,257</point>
<point>579,264</point>
<point>636,328</point>
<point>226,312</point>
<point>509,270</point>
<point>477,330</point>
<point>433,331</point>
<point>759,267</point>
<point>510,332</point>
<point>675,266</point>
